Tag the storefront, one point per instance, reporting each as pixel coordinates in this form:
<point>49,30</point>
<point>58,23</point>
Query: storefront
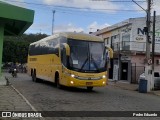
<point>128,41</point>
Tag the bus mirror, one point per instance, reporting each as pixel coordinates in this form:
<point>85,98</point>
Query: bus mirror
<point>110,51</point>
<point>67,49</point>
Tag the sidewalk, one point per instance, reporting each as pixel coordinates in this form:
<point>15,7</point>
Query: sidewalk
<point>132,87</point>
<point>11,100</point>
<point>124,85</point>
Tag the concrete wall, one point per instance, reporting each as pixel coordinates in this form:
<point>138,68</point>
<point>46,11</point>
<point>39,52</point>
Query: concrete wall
<point>139,60</point>
<point>138,34</point>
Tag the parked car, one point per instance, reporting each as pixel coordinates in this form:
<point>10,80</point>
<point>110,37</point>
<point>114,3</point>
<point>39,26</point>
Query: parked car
<point>156,79</point>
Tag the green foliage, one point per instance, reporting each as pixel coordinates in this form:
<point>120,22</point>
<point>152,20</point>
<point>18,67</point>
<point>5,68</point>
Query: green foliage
<point>15,49</point>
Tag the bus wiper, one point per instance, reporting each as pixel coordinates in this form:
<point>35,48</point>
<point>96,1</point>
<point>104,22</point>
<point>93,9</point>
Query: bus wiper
<point>104,54</point>
<point>95,63</point>
<point>71,61</point>
<point>84,63</point>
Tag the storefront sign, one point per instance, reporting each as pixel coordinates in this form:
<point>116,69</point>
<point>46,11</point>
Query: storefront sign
<point>139,38</point>
<point>157,39</point>
<point>125,58</point>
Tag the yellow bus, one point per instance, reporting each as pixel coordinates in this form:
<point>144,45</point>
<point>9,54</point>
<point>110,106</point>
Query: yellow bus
<point>70,59</point>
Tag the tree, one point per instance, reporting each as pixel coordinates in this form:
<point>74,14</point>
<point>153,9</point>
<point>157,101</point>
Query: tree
<point>15,49</point>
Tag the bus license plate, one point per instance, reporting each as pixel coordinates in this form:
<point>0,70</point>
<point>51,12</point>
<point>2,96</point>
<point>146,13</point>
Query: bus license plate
<point>89,83</point>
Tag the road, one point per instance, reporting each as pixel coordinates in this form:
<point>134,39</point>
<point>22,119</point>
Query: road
<point>44,96</point>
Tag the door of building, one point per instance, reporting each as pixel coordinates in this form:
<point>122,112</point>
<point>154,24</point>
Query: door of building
<point>111,69</point>
<point>124,70</point>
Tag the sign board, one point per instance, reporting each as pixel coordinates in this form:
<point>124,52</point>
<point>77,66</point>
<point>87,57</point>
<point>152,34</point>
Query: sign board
<point>125,58</point>
<point>149,61</point>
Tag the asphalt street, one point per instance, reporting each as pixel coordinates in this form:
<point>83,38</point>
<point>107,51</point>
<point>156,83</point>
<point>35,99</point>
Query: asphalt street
<point>44,96</point>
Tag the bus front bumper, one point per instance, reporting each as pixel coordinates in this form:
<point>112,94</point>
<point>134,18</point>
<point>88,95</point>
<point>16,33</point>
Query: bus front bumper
<point>74,82</point>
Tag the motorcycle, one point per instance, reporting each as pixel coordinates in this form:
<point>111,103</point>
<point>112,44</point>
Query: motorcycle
<point>14,73</point>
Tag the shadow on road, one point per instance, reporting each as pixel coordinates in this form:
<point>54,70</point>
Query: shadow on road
<point>70,89</point>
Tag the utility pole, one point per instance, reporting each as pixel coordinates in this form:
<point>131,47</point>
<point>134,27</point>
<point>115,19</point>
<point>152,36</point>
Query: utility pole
<point>148,71</point>
<point>153,47</point>
<point>53,21</point>
<point>148,60</point>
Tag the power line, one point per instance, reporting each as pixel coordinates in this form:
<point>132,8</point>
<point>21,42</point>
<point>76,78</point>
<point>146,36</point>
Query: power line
<point>70,10</point>
<point>140,1</point>
<point>91,14</point>
<point>79,8</point>
<point>120,1</point>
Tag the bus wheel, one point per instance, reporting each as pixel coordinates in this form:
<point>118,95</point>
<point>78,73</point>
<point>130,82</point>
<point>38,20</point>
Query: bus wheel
<point>89,88</point>
<point>34,79</point>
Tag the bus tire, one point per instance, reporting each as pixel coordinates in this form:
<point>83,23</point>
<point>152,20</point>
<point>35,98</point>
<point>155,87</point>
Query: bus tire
<point>57,81</point>
<point>34,78</point>
<point>89,88</point>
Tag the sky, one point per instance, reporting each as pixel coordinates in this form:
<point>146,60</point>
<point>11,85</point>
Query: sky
<point>81,15</point>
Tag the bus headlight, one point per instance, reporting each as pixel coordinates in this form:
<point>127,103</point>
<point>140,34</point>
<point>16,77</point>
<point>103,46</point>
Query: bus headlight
<point>72,75</point>
<point>72,82</point>
<point>103,76</point>
<point>104,82</point>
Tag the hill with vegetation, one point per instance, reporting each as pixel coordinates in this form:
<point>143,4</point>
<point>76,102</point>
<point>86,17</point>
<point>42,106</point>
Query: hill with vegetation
<point>15,49</point>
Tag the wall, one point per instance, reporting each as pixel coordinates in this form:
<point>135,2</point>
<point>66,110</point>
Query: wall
<point>139,60</point>
<point>130,38</point>
<point>139,36</point>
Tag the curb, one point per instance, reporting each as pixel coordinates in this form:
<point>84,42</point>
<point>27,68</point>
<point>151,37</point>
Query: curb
<point>122,87</point>
<point>25,99</point>
<point>125,88</point>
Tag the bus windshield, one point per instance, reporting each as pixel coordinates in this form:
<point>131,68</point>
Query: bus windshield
<point>87,56</point>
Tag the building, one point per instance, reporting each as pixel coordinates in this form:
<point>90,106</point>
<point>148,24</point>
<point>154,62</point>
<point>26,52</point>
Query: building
<point>128,41</point>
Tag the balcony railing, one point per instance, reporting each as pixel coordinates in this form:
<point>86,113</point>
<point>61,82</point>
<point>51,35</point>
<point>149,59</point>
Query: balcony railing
<point>133,46</point>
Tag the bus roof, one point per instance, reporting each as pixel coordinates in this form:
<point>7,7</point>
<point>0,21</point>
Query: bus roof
<point>72,35</point>
<point>81,36</point>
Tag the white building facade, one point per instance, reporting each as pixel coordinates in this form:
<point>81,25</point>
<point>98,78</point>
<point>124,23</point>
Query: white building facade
<point>128,41</point>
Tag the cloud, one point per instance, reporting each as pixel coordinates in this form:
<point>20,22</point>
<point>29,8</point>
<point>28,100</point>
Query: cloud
<point>67,28</point>
<point>143,5</point>
<point>18,3</point>
<point>156,4</point>
<point>46,28</point>
<point>70,27</point>
<point>88,4</point>
<point>94,26</point>
<point>105,4</point>
<point>39,28</point>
